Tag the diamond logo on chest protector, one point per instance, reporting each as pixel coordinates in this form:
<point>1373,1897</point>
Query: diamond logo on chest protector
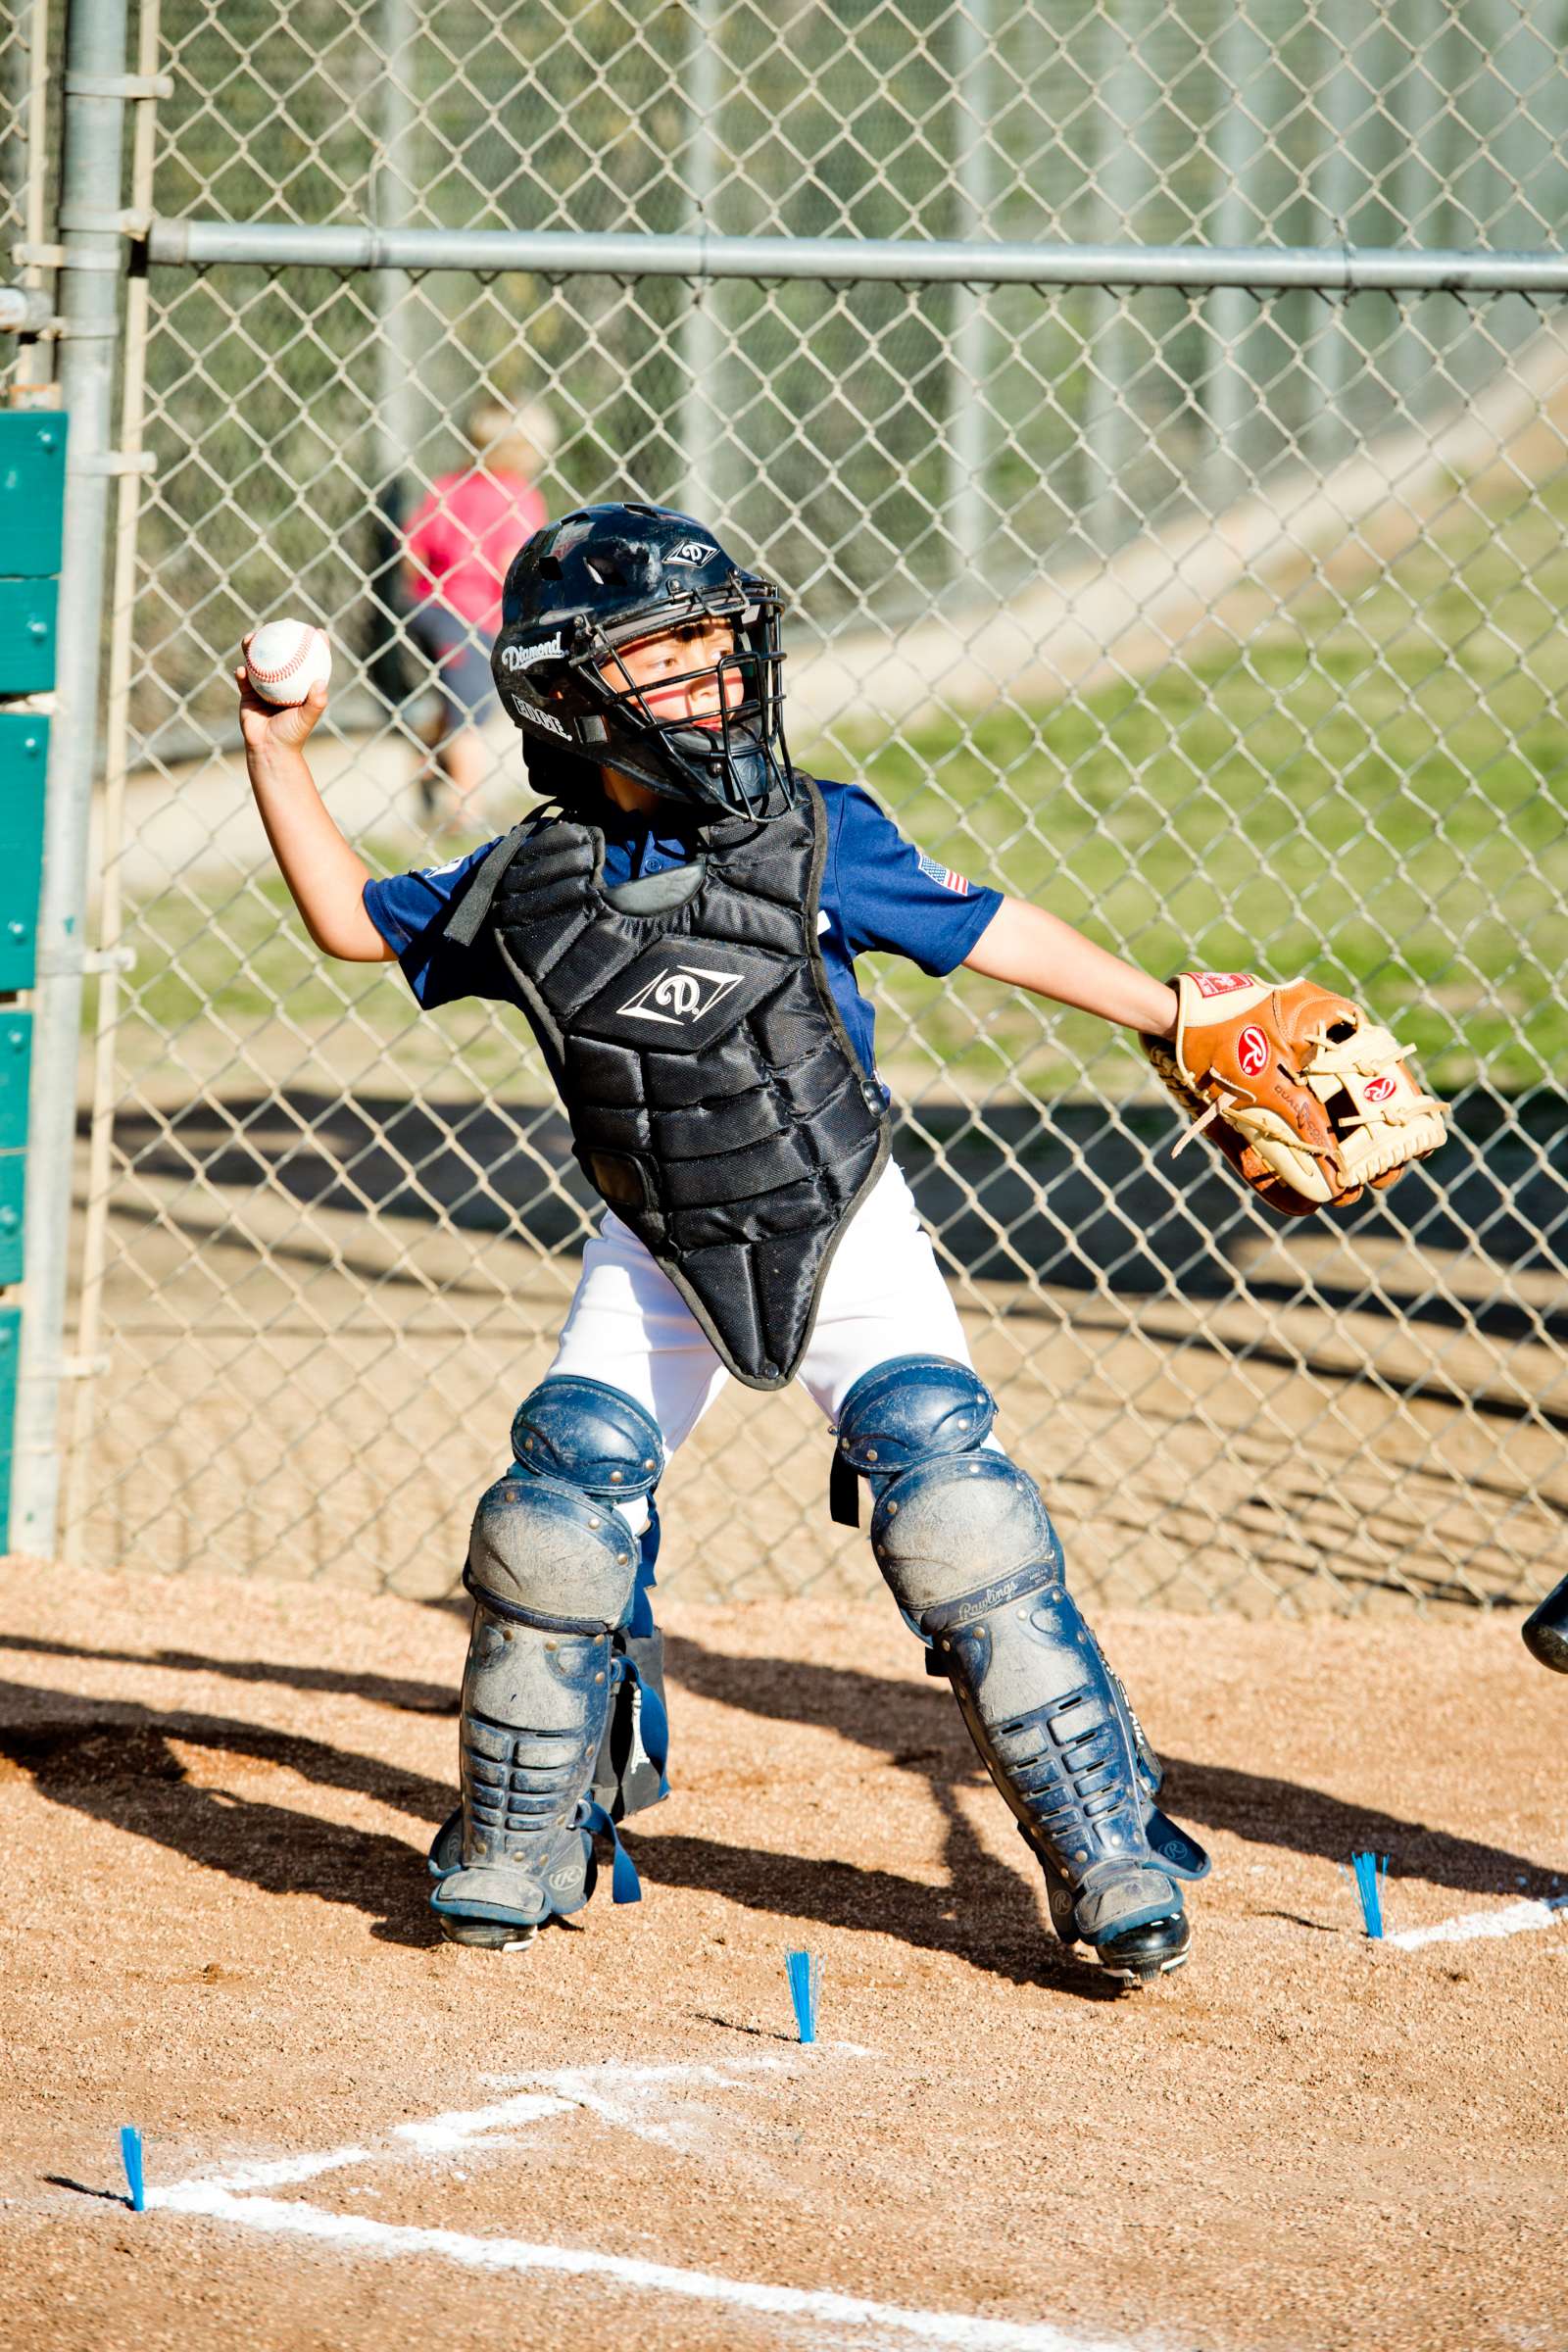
<point>680,998</point>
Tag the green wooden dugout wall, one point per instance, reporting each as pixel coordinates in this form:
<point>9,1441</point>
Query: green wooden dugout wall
<point>32,484</point>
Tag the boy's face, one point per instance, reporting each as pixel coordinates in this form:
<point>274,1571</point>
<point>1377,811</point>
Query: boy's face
<point>677,672</point>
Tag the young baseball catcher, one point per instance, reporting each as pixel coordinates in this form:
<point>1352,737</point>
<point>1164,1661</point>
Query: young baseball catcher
<point>678,923</point>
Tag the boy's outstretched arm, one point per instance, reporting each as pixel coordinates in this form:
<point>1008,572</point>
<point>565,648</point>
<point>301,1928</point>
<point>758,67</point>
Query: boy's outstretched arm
<point>326,876</point>
<point>1030,949</point>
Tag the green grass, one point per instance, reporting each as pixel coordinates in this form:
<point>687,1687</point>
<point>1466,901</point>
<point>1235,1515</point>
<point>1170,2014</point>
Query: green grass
<point>218,969</point>
<point>1377,794</point>
<point>1373,791</point>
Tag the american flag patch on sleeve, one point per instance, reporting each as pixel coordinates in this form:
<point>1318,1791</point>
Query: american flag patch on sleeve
<point>944,874</point>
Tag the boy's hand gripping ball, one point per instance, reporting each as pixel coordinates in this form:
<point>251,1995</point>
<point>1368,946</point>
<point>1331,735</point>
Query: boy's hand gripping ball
<point>284,659</point>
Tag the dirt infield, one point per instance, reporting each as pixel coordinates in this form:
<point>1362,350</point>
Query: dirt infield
<point>217,1798</point>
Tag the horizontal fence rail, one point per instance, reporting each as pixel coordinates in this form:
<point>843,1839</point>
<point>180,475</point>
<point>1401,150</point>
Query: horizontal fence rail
<point>861,260</point>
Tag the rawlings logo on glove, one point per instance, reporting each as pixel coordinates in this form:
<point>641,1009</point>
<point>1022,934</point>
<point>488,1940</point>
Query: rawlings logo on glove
<point>1308,1099</point>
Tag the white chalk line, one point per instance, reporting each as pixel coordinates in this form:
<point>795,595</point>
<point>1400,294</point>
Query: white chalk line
<point>280,2172</point>
<point>1515,1918</point>
<point>388,2238</point>
<point>441,2134</point>
<point>620,2095</point>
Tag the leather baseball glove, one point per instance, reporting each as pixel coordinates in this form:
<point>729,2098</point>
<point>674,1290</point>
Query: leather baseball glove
<point>1307,1099</point>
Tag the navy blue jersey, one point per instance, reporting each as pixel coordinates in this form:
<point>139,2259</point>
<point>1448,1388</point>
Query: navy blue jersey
<point>879,893</point>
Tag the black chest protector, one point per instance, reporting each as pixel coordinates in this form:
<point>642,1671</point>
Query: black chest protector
<point>715,1100</point>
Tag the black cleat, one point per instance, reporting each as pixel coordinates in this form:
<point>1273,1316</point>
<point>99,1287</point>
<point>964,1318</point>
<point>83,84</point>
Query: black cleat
<point>487,1935</point>
<point>1140,1954</point>
<point>488,1905</point>
<point>1545,1632</point>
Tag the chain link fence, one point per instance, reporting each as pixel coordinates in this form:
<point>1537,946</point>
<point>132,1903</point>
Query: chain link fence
<point>1226,621</point>
<point>29,126</point>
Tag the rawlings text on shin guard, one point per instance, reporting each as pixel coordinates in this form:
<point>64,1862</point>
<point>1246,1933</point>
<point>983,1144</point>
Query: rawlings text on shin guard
<point>1051,1723</point>
<point>552,1569</point>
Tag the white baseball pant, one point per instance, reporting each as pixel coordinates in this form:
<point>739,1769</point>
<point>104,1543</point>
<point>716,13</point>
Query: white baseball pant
<point>884,1296</point>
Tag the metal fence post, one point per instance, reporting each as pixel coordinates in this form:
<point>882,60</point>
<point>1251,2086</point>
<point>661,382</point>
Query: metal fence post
<point>113,958</point>
<point>702,429</point>
<point>970,435</point>
<point>1121,182</point>
<point>399,394</point>
<point>93,237</point>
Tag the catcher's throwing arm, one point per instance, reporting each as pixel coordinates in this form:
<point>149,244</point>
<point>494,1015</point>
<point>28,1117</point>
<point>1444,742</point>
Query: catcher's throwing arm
<point>1308,1099</point>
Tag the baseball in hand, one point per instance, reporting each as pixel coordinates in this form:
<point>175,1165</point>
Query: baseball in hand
<point>285,659</point>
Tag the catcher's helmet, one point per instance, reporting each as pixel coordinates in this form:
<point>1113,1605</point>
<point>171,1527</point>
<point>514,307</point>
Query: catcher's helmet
<point>598,580</point>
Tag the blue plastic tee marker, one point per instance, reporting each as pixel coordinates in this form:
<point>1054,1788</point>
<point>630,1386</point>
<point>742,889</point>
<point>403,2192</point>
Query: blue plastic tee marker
<point>1370,1870</point>
<point>131,2157</point>
<point>806,1989</point>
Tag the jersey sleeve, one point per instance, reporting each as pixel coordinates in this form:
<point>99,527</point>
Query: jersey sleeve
<point>893,898</point>
<point>411,912</point>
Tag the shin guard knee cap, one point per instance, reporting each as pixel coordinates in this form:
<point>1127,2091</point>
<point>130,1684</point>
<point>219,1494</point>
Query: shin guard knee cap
<point>912,1409</point>
<point>548,1543</point>
<point>589,1436</point>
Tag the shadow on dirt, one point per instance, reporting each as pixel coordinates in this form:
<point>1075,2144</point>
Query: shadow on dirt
<point>986,1914</point>
<point>123,1764</point>
<point>383,1689</point>
<point>916,1726</point>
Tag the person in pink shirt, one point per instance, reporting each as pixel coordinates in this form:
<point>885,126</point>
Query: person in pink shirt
<point>460,540</point>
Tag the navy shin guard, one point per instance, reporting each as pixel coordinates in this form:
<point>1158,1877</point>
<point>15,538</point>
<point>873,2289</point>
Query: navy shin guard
<point>967,1546</point>
<point>553,1568</point>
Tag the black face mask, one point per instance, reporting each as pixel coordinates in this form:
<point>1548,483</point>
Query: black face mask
<point>729,768</point>
<point>741,780</point>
